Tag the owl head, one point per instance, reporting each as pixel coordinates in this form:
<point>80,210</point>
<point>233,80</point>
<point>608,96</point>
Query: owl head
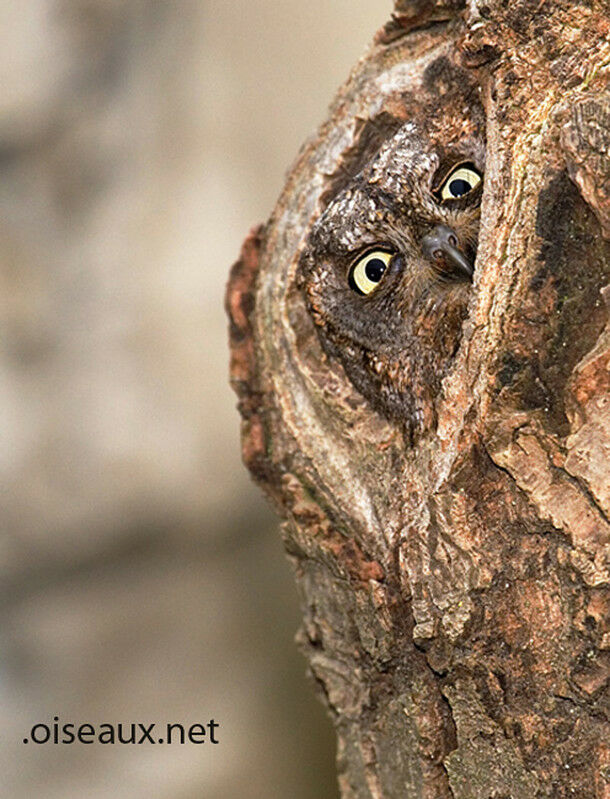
<point>387,267</point>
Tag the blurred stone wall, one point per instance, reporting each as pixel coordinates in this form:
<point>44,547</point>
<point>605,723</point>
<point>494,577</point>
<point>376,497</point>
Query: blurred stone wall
<point>142,574</point>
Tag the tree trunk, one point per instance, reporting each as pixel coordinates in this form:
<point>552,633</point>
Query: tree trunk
<point>456,590</point>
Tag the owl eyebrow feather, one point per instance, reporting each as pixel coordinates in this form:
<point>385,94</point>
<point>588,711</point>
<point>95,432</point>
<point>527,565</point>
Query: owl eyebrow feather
<point>352,221</point>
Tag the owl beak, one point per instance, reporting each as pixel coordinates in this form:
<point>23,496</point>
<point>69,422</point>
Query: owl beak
<point>441,246</point>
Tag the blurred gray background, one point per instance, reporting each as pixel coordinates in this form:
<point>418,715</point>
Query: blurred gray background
<point>142,574</point>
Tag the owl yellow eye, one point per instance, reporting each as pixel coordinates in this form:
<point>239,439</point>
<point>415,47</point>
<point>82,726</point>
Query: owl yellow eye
<point>461,181</point>
<point>365,275</point>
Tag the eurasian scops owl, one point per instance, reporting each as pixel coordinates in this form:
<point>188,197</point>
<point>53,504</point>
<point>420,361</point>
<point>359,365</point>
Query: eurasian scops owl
<point>387,268</point>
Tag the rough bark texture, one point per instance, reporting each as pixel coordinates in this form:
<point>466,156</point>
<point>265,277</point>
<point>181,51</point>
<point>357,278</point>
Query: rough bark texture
<point>456,593</point>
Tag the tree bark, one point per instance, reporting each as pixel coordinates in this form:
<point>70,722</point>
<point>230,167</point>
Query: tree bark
<point>456,592</point>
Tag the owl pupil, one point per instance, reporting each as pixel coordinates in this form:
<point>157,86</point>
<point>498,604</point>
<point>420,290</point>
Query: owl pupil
<point>459,187</point>
<point>374,269</point>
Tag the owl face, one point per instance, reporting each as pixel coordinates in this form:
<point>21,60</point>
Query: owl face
<point>387,267</point>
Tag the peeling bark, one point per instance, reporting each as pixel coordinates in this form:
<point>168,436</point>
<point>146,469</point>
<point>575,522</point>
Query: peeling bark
<point>456,593</point>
